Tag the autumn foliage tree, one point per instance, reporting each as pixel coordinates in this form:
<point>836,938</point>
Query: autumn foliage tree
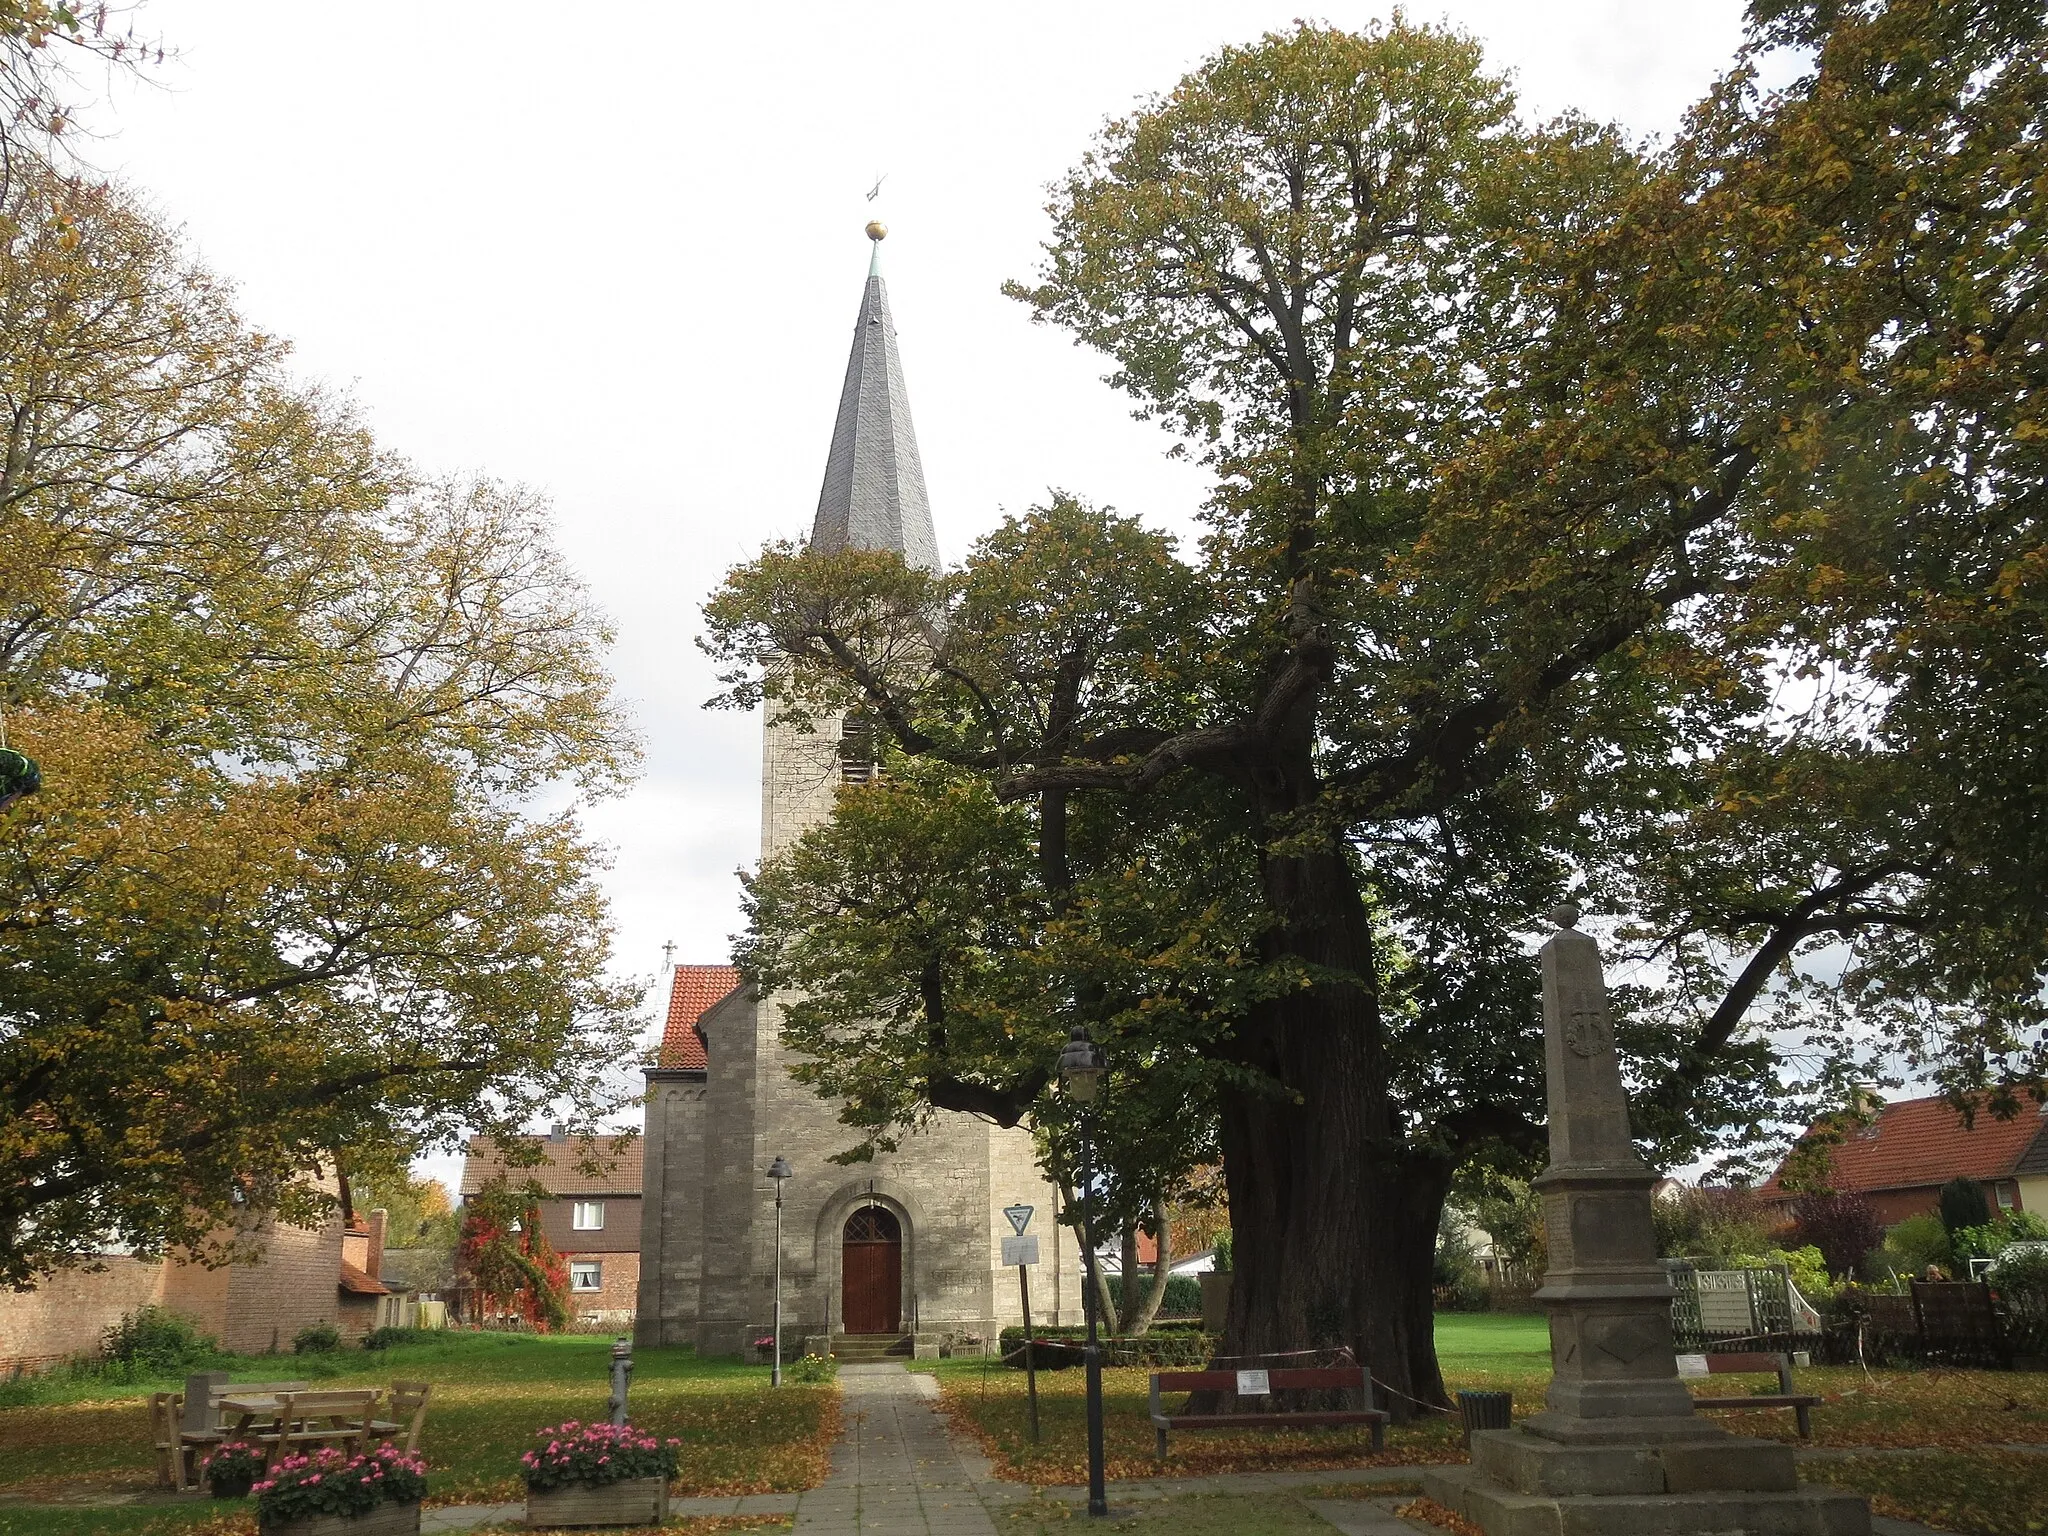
<point>283,891</point>
<point>506,1257</point>
<point>1657,525</point>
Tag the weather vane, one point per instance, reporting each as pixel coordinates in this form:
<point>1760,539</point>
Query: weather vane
<point>876,190</point>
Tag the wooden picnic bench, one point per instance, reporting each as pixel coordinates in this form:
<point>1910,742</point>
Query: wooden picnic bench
<point>1339,1378</point>
<point>298,1420</point>
<point>1754,1364</point>
<point>407,1406</point>
<point>181,1438</point>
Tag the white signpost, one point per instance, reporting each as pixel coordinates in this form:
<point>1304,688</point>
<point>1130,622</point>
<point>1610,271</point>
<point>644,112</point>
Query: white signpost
<point>1022,1251</point>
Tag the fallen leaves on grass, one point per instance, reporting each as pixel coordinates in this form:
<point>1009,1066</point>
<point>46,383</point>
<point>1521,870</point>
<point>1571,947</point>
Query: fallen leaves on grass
<point>1957,1409</point>
<point>1979,1493</point>
<point>996,1419</point>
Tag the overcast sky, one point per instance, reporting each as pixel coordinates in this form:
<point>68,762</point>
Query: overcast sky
<point>621,262</point>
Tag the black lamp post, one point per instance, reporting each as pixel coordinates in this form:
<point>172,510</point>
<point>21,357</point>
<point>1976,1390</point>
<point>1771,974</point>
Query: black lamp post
<point>1082,1069</point>
<point>781,1173</point>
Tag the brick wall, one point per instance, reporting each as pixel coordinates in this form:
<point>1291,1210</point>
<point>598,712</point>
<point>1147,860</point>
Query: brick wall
<point>66,1315</point>
<point>293,1285</point>
<point>618,1295</point>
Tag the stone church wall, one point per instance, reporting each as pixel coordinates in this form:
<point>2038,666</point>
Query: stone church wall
<point>671,1208</point>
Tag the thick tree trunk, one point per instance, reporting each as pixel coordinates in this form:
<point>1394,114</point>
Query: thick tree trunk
<point>1333,1217</point>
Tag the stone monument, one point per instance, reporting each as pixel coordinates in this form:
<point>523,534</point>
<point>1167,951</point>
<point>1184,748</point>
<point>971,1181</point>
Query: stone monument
<point>1620,1450</point>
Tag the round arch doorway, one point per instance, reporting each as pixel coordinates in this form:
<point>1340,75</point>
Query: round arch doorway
<point>871,1272</point>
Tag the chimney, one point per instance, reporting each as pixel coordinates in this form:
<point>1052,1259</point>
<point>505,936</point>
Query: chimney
<point>558,1132</point>
<point>374,1265</point>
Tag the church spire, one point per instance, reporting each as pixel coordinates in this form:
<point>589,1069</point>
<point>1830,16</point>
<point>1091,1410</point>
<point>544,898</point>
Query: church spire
<point>874,496</point>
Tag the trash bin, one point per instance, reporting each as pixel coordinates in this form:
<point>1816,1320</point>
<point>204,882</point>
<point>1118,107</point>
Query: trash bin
<point>1485,1410</point>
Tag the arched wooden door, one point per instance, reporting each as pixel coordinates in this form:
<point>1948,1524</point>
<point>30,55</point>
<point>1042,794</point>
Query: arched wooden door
<point>871,1272</point>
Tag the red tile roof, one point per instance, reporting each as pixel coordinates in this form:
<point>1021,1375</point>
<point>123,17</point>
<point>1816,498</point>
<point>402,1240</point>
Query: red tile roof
<point>557,1170</point>
<point>696,990</point>
<point>1915,1143</point>
<point>356,1283</point>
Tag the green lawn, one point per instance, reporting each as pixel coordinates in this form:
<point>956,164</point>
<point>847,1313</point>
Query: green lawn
<point>491,1392</point>
<point>1967,1485</point>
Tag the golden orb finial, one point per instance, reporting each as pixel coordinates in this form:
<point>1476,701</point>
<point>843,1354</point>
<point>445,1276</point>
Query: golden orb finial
<point>877,230</point>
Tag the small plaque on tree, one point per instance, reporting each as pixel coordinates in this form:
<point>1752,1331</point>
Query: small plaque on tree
<point>1252,1384</point>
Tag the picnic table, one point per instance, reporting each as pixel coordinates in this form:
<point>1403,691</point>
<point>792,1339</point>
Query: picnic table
<point>297,1420</point>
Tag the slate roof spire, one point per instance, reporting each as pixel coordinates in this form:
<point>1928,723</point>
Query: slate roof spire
<point>874,496</point>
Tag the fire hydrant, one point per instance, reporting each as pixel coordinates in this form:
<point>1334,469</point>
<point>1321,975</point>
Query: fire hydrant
<point>622,1373</point>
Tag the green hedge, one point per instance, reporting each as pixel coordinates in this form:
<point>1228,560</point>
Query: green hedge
<point>1181,1344</point>
<point>1183,1294</point>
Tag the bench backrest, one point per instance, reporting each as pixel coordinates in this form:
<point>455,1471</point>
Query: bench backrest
<point>320,1405</point>
<point>1325,1378</point>
<point>1750,1364</point>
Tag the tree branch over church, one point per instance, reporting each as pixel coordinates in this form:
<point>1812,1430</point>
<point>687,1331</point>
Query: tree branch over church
<point>1652,524</point>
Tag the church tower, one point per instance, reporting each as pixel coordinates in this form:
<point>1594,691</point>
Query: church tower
<point>905,1249</point>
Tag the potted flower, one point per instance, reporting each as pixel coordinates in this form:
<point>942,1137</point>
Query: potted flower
<point>232,1468</point>
<point>598,1474</point>
<point>332,1494</point>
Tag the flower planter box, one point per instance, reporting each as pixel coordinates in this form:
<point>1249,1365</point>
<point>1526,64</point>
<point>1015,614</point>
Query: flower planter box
<point>385,1520</point>
<point>635,1501</point>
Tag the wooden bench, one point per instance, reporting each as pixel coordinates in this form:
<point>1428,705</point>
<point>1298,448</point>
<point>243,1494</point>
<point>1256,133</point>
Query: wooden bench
<point>1801,1404</point>
<point>407,1406</point>
<point>1341,1378</point>
<point>297,1420</point>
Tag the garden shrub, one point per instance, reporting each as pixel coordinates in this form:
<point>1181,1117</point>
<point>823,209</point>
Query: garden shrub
<point>157,1342</point>
<point>812,1370</point>
<point>316,1339</point>
<point>386,1338</point>
<point>1917,1242</point>
<point>1843,1227</point>
<point>1167,1344</point>
<point>1963,1205</point>
<point>1183,1294</point>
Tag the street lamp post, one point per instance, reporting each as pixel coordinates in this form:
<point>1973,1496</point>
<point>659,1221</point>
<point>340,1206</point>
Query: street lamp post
<point>781,1173</point>
<point>1082,1069</point>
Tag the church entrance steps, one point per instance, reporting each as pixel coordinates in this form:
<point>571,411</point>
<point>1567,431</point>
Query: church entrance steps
<point>861,1348</point>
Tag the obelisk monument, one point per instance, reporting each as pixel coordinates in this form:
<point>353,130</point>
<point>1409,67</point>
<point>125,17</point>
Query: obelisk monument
<point>1619,1450</point>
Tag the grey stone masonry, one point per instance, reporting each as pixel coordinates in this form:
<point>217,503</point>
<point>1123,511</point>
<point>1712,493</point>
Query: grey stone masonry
<point>708,1235</point>
<point>1620,1449</point>
<point>874,495</point>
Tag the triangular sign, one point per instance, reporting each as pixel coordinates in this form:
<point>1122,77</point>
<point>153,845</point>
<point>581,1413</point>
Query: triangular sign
<point>1020,1217</point>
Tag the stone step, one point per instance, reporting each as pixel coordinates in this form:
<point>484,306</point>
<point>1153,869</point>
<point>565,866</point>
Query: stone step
<point>862,1348</point>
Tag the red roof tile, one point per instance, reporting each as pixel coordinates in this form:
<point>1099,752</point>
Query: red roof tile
<point>357,1283</point>
<point>557,1171</point>
<point>696,990</point>
<point>1920,1142</point>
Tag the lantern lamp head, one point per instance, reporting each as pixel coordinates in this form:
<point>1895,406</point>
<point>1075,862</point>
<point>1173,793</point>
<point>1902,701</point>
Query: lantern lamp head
<point>780,1169</point>
<point>1082,1066</point>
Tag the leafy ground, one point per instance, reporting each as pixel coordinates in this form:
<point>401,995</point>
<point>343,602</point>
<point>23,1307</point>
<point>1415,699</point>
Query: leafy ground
<point>1966,1485</point>
<point>491,1391</point>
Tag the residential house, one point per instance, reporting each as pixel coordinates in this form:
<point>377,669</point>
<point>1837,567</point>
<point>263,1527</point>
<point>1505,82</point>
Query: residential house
<point>1902,1158</point>
<point>592,1220</point>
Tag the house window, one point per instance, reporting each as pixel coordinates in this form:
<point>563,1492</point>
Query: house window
<point>2008,1197</point>
<point>586,1275</point>
<point>588,1216</point>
